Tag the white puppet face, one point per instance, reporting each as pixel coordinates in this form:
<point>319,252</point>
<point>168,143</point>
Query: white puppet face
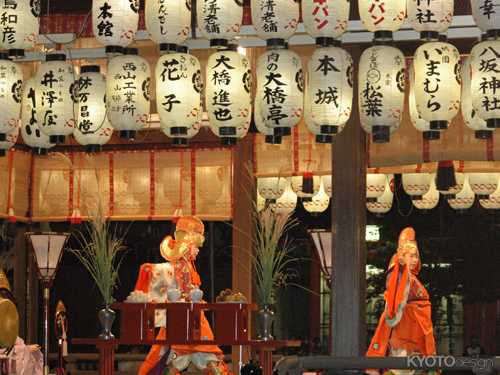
<point>162,279</point>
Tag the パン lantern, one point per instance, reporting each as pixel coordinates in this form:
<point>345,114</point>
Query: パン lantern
<point>325,20</point>
<point>382,17</point>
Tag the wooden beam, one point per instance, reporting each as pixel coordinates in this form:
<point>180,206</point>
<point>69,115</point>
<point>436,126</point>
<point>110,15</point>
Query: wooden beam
<point>20,276</point>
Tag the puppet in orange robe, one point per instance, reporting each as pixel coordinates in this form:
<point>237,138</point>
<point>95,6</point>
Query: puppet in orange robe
<point>405,327</point>
<point>181,253</point>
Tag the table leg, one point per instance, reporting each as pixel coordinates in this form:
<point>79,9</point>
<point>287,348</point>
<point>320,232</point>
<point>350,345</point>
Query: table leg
<point>266,361</point>
<point>106,359</point>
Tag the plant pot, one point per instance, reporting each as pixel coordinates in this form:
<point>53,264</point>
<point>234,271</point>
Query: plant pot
<point>106,317</point>
<point>265,317</point>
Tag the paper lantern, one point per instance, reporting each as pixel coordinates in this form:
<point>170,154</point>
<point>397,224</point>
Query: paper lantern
<point>93,128</point>
<point>261,125</point>
<point>271,188</point>
<point>471,118</point>
<point>430,199</point>
<point>416,184</point>
<point>280,86</point>
<point>115,22</point>
<point>328,99</point>
<point>381,80</point>
<point>275,20</point>
<point>30,132</point>
<point>383,203</point>
<point>219,20</point>
<point>260,202</point>
<point>178,94</point>
<point>286,203</point>
<point>9,141</point>
<point>375,186</point>
<point>11,82</point>
<point>327,184</point>
<point>437,83</point>
<point>464,199</point>
<point>168,22</point>
<point>319,202</point>
<point>55,97</point>
<point>485,81</point>
<point>325,20</point>
<point>454,190</point>
<point>486,14</point>
<point>305,186</point>
<point>127,92</point>
<point>19,25</point>
<point>382,17</point>
<point>483,184</point>
<point>228,95</point>
<point>493,201</point>
<point>430,17</point>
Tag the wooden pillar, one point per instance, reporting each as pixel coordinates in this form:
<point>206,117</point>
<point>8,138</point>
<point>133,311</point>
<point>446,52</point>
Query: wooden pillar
<point>20,276</point>
<point>348,331</point>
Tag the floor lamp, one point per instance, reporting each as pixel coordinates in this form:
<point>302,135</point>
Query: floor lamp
<point>47,249</point>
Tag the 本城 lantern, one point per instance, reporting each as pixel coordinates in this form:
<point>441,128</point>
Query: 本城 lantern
<point>11,82</point>
<point>228,95</point>
<point>168,22</point>
<point>381,80</point>
<point>326,19</point>
<point>127,92</point>
<point>275,20</point>
<point>486,14</point>
<point>382,17</point>
<point>430,199</point>
<point>430,17</point>
<point>115,22</point>
<point>383,203</point>
<point>9,141</point>
<point>55,97</point>
<point>464,199</point>
<point>483,184</point>
<point>375,186</point>
<point>416,185</point>
<point>437,83</point>
<point>219,20</point>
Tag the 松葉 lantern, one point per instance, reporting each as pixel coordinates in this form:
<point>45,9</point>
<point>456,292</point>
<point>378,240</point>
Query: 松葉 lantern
<point>219,20</point>
<point>55,97</point>
<point>381,80</point>
<point>416,185</point>
<point>115,23</point>
<point>430,199</point>
<point>485,81</point>
<point>30,132</point>
<point>93,128</point>
<point>437,83</point>
<point>464,199</point>
<point>19,25</point>
<point>178,94</point>
<point>430,17</point>
<point>280,89</point>
<point>382,17</point>
<point>375,186</point>
<point>168,22</point>
<point>325,20</point>
<point>11,82</point>
<point>275,20</point>
<point>483,184</point>
<point>383,203</point>
<point>228,95</point>
<point>127,92</point>
<point>470,115</point>
<point>486,14</point>
<point>328,98</point>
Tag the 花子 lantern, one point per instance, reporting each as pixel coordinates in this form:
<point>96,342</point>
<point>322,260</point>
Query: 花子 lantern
<point>486,14</point>
<point>416,185</point>
<point>9,141</point>
<point>483,184</point>
<point>437,83</point>
<point>430,199</point>
<point>430,17</point>
<point>375,186</point>
<point>326,19</point>
<point>382,17</point>
<point>228,95</point>
<point>11,82</point>
<point>115,22</point>
<point>55,97</point>
<point>168,22</point>
<point>383,203</point>
<point>464,199</point>
<point>127,92</point>
<point>275,20</point>
<point>219,20</point>
<point>381,80</point>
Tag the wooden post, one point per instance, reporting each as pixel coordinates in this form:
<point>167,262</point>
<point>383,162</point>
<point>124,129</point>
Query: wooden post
<point>348,330</point>
<point>20,276</point>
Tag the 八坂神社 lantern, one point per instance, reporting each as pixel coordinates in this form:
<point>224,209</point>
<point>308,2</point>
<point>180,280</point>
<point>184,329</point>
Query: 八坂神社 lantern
<point>280,87</point>
<point>437,83</point>
<point>275,20</point>
<point>383,203</point>
<point>381,80</point>
<point>127,92</point>
<point>9,141</point>
<point>416,185</point>
<point>92,128</point>
<point>325,20</point>
<point>178,94</point>
<point>19,25</point>
<point>55,97</point>
<point>464,199</point>
<point>228,95</point>
<point>115,22</point>
<point>485,81</point>
<point>375,186</point>
<point>11,82</point>
<point>430,17</point>
<point>30,132</point>
<point>168,22</point>
<point>219,20</point>
<point>430,199</point>
<point>328,98</point>
<point>382,17</point>
<point>486,14</point>
<point>483,184</point>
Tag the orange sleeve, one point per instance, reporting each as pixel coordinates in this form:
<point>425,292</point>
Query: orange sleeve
<point>396,294</point>
<point>144,279</point>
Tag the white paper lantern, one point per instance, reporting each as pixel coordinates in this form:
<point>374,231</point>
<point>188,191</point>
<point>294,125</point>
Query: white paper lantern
<point>286,203</point>
<point>383,203</point>
<point>437,83</point>
<point>325,19</point>
<point>127,92</point>
<point>416,184</point>
<point>30,132</point>
<point>219,20</point>
<point>319,202</point>
<point>464,199</point>
<point>271,188</point>
<point>11,82</point>
<point>115,22</point>
<point>382,17</point>
<point>483,184</point>
<point>486,14</point>
<point>381,90</point>
<point>328,99</point>
<point>454,190</point>
<point>327,184</point>
<point>168,22</point>
<point>485,81</point>
<point>430,17</point>
<point>275,20</point>
<point>430,199</point>
<point>260,202</point>
<point>261,125</point>
<point>178,94</point>
<point>9,142</point>
<point>305,186</point>
<point>55,97</point>
<point>19,25</point>
<point>280,86</point>
<point>375,186</point>
<point>228,95</point>
<point>493,201</point>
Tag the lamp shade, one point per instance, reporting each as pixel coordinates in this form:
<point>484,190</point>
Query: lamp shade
<point>10,141</point>
<point>483,184</point>
<point>287,202</point>
<point>319,202</point>
<point>305,186</point>
<point>219,20</point>
<point>382,17</point>
<point>464,199</point>
<point>416,184</point>
<point>430,199</point>
<point>322,240</point>
<point>437,83</point>
<point>430,17</point>
<point>325,19</point>
<point>452,191</point>
<point>275,20</point>
<point>383,203</point>
<point>19,26</point>
<point>271,188</point>
<point>486,14</point>
<point>167,21</point>
<point>327,184</point>
<point>47,248</point>
<point>493,201</point>
<point>381,80</point>
<point>375,185</point>
<point>11,82</point>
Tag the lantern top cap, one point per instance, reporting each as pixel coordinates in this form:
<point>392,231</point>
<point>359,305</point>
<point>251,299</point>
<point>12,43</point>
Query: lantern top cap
<point>90,69</point>
<point>55,57</point>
